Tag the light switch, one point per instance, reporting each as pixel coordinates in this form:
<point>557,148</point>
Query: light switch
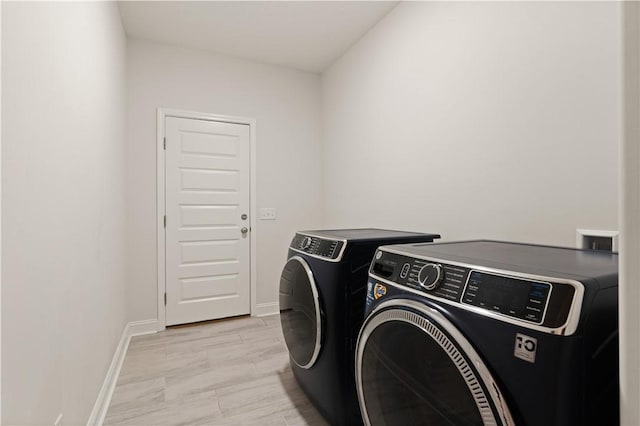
<point>268,213</point>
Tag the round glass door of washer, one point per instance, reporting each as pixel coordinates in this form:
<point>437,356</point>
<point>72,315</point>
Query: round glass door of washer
<point>300,312</point>
<point>412,371</point>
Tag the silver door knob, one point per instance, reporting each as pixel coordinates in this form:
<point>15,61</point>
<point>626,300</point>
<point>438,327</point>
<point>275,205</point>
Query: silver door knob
<point>244,230</point>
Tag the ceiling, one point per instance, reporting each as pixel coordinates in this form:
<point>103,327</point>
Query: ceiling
<point>306,35</point>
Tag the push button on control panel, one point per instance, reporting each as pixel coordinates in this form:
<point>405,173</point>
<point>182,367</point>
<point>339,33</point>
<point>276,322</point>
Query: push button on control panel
<point>405,270</point>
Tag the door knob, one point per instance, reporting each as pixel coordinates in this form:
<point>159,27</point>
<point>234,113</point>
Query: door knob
<point>244,230</point>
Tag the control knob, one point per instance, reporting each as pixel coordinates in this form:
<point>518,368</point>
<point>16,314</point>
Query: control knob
<point>306,243</point>
<point>430,276</point>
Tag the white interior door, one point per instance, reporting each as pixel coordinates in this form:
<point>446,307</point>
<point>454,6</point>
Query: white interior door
<point>207,220</point>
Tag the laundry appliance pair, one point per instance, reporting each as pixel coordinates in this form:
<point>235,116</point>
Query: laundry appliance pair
<point>462,333</point>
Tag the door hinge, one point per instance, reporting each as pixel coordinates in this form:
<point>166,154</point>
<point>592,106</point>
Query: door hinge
<point>165,299</point>
<point>165,221</point>
<point>164,145</point>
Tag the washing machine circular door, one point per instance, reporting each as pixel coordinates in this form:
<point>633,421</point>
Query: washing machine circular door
<point>300,312</point>
<point>414,367</point>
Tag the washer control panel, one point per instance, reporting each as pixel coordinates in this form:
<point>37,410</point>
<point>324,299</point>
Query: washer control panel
<point>518,298</point>
<point>320,247</point>
<point>442,280</point>
<point>475,288</point>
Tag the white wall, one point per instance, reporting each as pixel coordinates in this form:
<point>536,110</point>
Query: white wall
<point>285,104</point>
<point>478,120</point>
<point>630,222</point>
<point>0,218</point>
<point>63,138</point>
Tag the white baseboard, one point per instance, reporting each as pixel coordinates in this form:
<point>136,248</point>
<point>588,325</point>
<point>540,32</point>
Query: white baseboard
<point>265,309</point>
<point>134,328</point>
<point>138,328</point>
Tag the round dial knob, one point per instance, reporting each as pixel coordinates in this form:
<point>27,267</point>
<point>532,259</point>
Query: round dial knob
<point>430,276</point>
<point>306,243</point>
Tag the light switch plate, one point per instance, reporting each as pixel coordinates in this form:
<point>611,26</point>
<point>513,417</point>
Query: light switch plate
<point>268,213</point>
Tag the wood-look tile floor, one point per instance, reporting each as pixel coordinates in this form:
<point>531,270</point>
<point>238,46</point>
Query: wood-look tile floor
<point>227,372</point>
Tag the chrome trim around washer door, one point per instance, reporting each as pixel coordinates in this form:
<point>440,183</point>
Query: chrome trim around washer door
<point>316,297</point>
<point>327,259</point>
<point>567,329</point>
<point>396,310</point>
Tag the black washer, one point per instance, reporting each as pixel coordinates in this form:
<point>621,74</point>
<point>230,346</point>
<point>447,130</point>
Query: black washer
<point>516,334</point>
<point>322,301</point>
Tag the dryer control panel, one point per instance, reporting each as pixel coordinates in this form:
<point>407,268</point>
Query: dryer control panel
<point>500,294</point>
<point>324,248</point>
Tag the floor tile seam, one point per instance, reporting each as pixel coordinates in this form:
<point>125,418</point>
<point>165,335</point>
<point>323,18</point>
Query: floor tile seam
<point>252,339</point>
<point>124,415</point>
<point>222,391</point>
<point>168,335</point>
<point>162,398</point>
<point>233,412</point>
<point>166,403</point>
<point>186,399</point>
<point>124,381</point>
<point>186,342</point>
<point>254,400</point>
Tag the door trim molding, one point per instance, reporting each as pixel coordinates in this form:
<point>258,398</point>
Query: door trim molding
<point>163,113</point>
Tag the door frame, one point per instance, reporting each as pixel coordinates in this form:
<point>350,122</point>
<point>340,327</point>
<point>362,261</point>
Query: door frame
<point>162,114</point>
